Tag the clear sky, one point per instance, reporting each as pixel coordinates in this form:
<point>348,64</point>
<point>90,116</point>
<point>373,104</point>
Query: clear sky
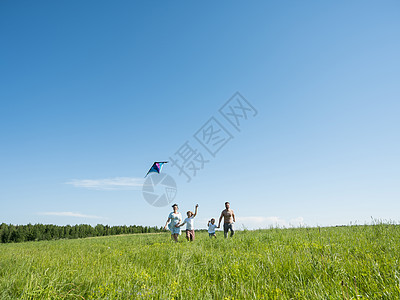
<point>92,92</point>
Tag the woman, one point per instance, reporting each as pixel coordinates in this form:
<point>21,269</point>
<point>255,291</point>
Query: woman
<point>175,217</point>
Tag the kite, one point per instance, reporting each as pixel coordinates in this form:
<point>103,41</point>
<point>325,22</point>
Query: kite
<point>156,167</point>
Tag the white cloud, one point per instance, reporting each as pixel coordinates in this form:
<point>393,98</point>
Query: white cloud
<point>299,221</point>
<point>254,222</point>
<point>69,214</point>
<point>117,183</point>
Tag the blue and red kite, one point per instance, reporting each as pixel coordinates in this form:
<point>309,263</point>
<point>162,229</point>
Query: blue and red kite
<point>156,167</point>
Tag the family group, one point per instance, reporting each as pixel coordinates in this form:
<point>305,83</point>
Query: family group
<point>174,222</point>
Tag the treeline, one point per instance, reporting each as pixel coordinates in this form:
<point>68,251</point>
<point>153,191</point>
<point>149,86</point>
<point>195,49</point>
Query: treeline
<point>39,232</point>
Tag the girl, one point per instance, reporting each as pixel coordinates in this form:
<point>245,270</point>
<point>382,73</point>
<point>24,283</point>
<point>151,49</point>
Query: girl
<point>189,224</point>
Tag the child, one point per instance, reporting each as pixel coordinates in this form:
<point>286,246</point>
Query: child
<point>211,228</point>
<point>189,224</point>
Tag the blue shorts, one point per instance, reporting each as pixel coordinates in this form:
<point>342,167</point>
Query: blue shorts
<point>211,234</point>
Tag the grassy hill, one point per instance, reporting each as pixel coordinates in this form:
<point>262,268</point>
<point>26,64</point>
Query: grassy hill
<point>352,262</point>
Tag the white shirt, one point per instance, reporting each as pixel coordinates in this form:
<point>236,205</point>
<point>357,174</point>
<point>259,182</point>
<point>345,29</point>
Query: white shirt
<point>189,223</point>
<point>175,219</point>
<point>211,228</point>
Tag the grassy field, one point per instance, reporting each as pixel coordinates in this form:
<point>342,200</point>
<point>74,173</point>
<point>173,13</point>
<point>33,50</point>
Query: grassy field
<point>353,262</point>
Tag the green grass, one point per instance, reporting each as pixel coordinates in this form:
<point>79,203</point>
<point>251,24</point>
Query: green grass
<point>301,263</point>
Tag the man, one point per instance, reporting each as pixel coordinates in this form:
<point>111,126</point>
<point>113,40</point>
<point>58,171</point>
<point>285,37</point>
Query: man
<point>229,219</point>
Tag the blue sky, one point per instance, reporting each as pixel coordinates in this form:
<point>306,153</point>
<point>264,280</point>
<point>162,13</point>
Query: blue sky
<point>93,92</point>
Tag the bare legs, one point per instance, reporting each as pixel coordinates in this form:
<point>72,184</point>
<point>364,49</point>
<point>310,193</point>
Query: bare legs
<point>174,237</point>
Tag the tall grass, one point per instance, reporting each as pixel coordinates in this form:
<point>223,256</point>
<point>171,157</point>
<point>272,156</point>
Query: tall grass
<point>353,262</point>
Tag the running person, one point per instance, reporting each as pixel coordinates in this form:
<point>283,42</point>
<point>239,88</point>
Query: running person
<point>229,219</point>
<point>174,218</point>
<point>189,224</point>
